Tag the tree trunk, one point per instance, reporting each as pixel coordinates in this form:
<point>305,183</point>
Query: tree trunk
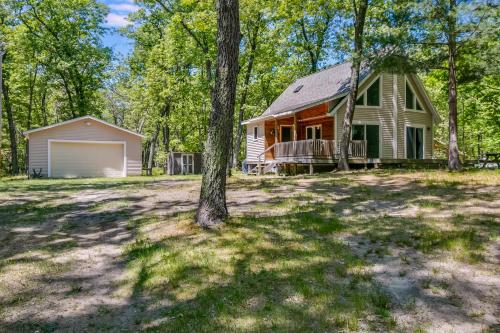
<point>28,122</point>
<point>454,163</point>
<point>43,107</point>
<point>353,85</point>
<point>248,73</point>
<point>69,95</point>
<point>12,130</point>
<point>2,55</point>
<point>212,208</point>
<point>152,148</point>
<point>166,134</point>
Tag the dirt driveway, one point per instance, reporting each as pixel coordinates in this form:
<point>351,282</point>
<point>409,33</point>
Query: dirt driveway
<point>430,241</point>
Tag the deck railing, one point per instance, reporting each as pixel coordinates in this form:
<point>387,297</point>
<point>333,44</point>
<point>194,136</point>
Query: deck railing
<point>317,149</point>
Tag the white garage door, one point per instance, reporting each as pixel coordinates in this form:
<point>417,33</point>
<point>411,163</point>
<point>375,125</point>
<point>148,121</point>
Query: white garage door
<point>81,159</point>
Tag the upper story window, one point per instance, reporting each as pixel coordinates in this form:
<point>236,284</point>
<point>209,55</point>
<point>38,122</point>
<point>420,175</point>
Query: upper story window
<point>255,133</point>
<point>411,101</point>
<point>370,97</point>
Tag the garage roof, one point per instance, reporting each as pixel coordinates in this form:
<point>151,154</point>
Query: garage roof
<point>82,118</point>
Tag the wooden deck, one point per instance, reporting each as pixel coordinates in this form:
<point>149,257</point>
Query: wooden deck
<point>317,150</point>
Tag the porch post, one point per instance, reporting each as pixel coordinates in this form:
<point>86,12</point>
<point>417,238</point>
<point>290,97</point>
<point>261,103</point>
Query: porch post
<point>275,131</point>
<point>294,127</point>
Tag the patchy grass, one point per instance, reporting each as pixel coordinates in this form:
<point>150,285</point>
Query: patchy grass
<point>299,254</point>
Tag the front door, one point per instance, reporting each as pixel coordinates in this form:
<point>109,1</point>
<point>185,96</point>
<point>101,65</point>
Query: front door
<point>286,133</point>
<point>187,164</point>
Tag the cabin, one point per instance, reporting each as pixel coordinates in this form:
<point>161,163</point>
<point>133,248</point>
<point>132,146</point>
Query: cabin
<point>393,122</point>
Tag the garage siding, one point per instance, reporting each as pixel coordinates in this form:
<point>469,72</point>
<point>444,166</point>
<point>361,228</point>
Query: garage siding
<point>78,130</point>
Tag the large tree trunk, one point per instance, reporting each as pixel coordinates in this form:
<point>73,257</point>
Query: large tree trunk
<point>360,14</point>
<point>454,163</point>
<point>152,149</point>
<point>248,73</point>
<point>12,130</point>
<point>212,208</point>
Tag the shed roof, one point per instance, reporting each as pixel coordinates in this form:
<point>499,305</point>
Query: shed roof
<point>82,118</point>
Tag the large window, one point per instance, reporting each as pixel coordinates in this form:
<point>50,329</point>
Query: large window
<point>313,132</point>
<point>414,143</point>
<point>370,133</point>
<point>371,97</point>
<point>411,100</point>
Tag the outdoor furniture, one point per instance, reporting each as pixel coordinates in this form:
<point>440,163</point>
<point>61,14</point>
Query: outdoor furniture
<point>37,173</point>
<point>489,158</point>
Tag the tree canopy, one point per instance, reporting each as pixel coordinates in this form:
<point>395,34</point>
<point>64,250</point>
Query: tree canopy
<point>56,67</point>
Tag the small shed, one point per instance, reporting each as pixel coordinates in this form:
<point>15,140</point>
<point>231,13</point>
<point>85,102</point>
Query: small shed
<point>183,163</point>
<point>84,147</point>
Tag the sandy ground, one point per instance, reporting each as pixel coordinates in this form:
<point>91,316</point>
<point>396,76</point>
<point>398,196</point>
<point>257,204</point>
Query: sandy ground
<point>65,272</point>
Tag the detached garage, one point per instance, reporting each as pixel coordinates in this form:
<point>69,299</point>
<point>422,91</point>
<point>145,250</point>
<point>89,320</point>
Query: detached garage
<point>84,147</point>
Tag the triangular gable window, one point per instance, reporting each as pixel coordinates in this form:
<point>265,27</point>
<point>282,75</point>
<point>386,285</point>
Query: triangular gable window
<point>371,97</point>
<point>411,100</point>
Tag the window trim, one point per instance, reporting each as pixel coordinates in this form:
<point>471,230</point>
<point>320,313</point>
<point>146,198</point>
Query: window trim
<point>255,133</point>
<point>363,94</point>
<point>314,131</point>
<point>423,127</point>
<point>415,98</point>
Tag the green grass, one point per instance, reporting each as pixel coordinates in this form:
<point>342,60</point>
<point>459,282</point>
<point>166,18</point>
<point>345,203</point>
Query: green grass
<point>285,273</point>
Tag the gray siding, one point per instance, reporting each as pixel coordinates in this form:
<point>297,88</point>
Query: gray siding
<point>78,130</point>
<point>255,147</point>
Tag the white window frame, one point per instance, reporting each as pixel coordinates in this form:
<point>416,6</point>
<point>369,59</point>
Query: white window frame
<point>182,163</point>
<point>49,152</point>
<point>314,131</point>
<point>255,133</point>
<point>415,98</point>
<point>380,143</point>
<point>423,127</point>
<point>365,95</point>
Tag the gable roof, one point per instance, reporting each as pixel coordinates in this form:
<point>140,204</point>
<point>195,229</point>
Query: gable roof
<point>318,87</point>
<point>81,118</point>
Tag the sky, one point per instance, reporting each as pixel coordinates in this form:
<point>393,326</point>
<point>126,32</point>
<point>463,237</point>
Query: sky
<point>117,18</point>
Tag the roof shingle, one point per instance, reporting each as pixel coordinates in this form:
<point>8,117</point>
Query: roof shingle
<point>321,86</point>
